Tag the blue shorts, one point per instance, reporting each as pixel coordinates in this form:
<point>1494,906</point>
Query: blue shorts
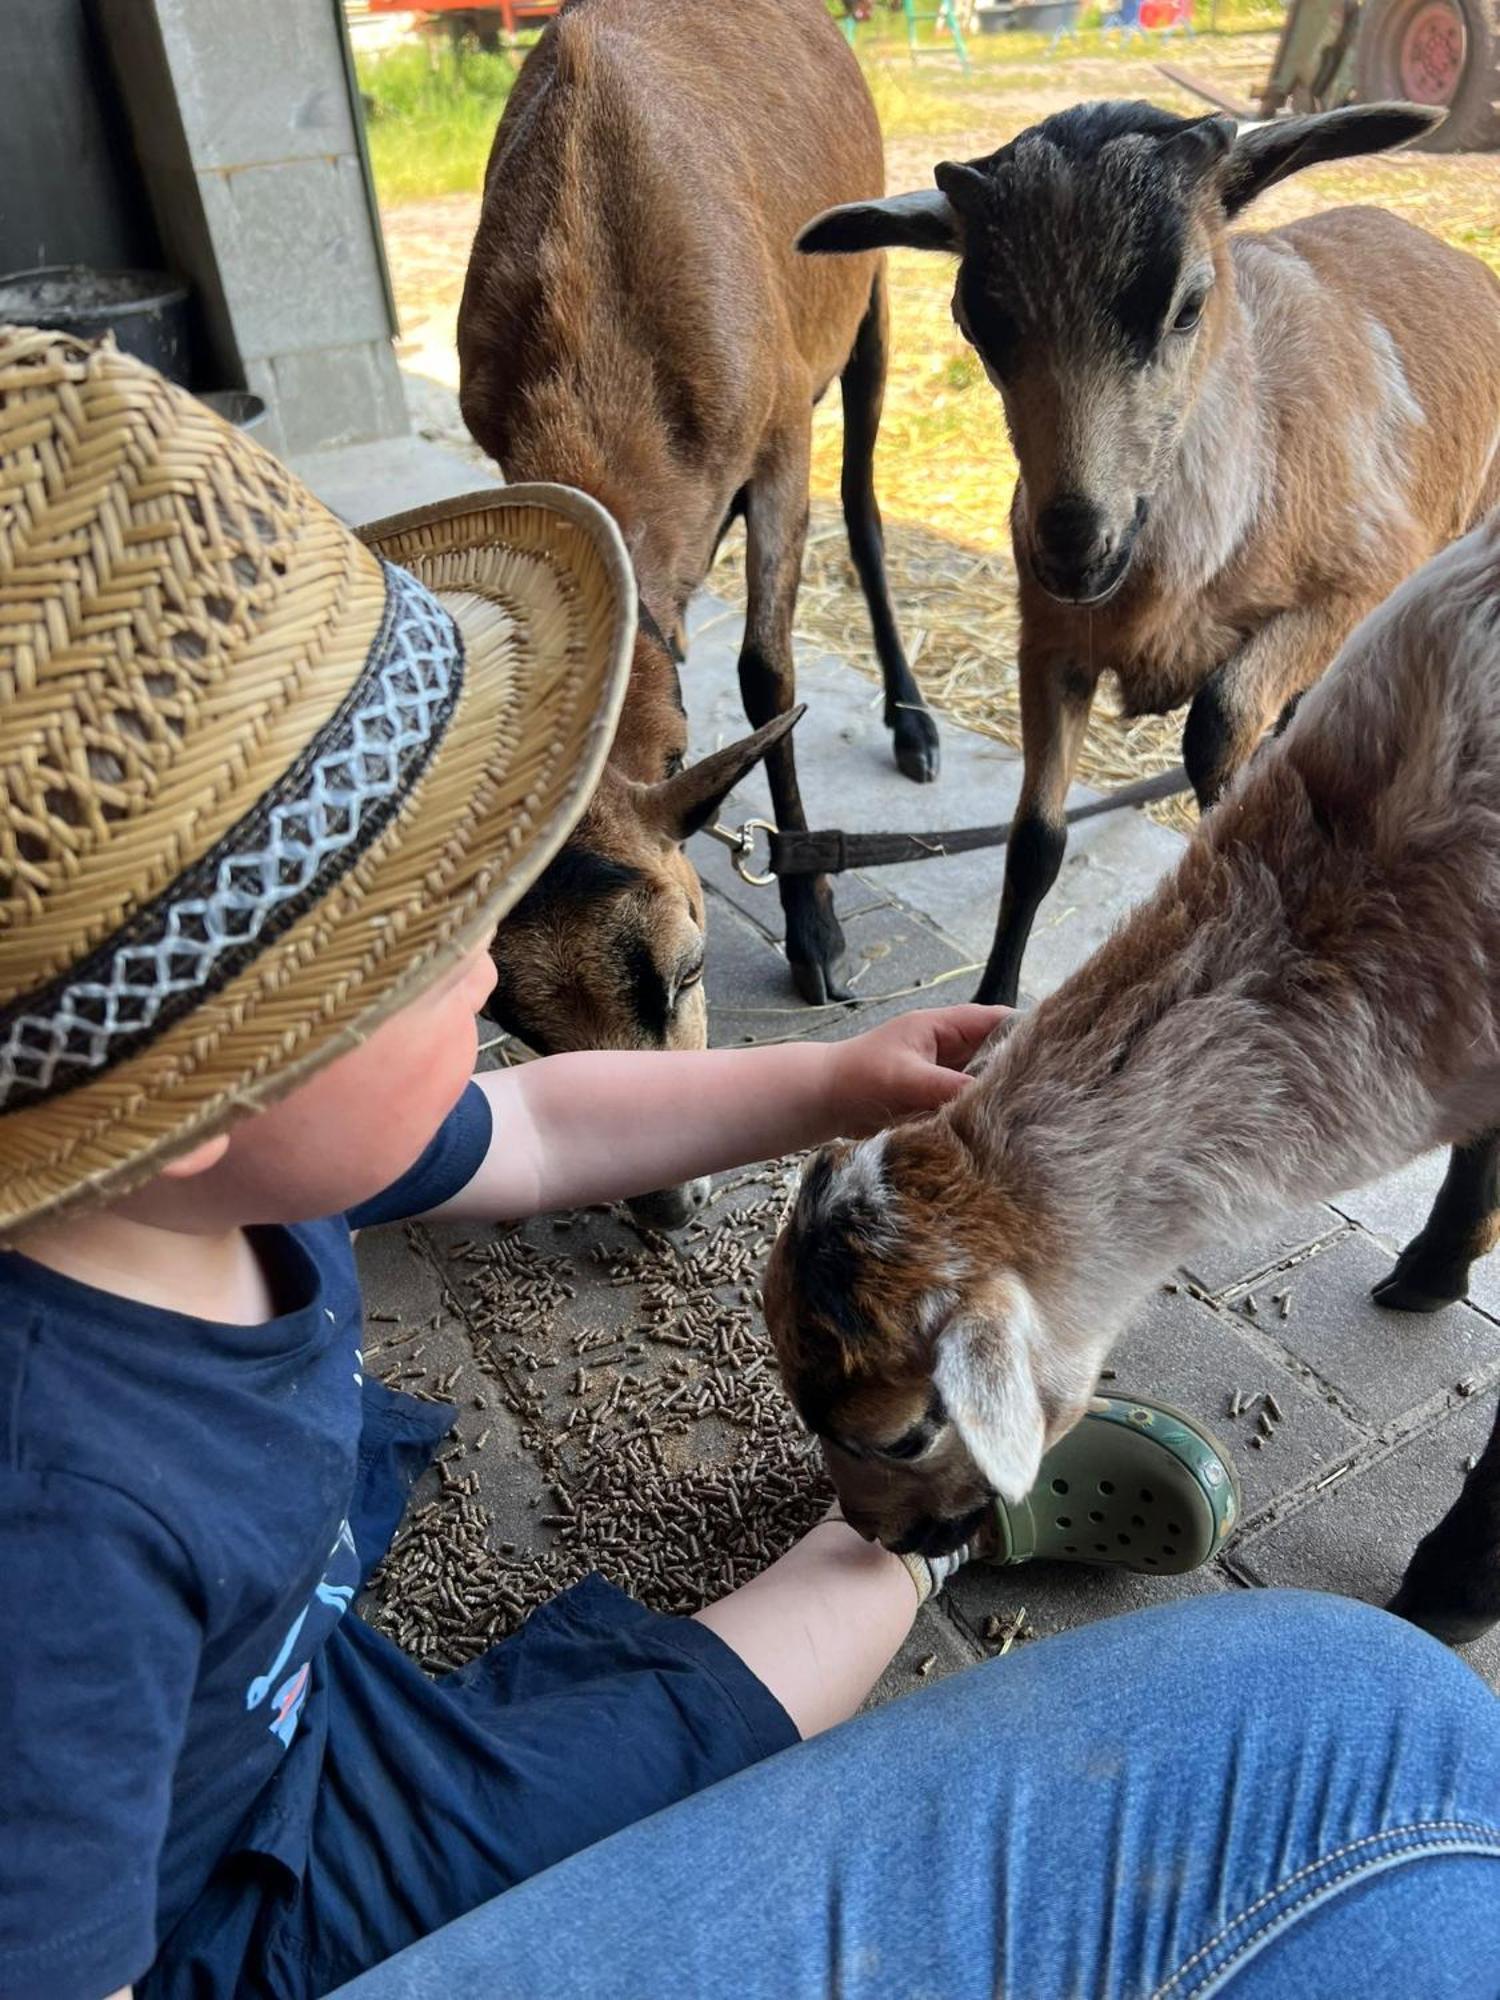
<point>405,1801</point>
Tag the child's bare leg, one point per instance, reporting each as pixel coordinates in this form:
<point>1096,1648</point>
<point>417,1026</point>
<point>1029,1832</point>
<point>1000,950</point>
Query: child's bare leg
<point>821,1625</point>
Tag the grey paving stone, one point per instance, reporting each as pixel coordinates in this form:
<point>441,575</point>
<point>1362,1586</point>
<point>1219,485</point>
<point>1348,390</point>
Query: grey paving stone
<point>750,993</point>
<point>935,1637</point>
<point>1358,1537</point>
<point>1394,1210</point>
<point>1182,1351</point>
<point>1220,1269</point>
<point>1383,1363</point>
<point>401,1274</point>
<point>362,482</point>
<point>1058,1596</point>
<point>396,1279</point>
<point>849,779</point>
<point>890,950</point>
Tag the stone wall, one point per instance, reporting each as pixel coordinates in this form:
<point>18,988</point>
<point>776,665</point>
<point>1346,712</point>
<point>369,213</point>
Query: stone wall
<point>246,129</point>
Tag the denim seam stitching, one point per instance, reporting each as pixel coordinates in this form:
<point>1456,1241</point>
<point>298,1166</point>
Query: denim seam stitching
<point>1404,1853</point>
<point>1419,1828</point>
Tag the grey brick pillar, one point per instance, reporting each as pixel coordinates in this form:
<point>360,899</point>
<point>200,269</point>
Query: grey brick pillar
<point>247,134</point>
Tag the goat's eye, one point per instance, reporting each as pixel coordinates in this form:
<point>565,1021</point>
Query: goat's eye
<point>1189,312</point>
<point>689,979</point>
<point>911,1444</point>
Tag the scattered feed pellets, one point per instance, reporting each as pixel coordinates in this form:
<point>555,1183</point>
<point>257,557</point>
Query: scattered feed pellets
<point>643,1388</point>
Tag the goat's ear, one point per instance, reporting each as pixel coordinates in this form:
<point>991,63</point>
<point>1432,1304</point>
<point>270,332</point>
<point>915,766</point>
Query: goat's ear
<point>983,1374</point>
<point>921,221</point>
<point>685,803</point>
<point>1201,145</point>
<point>1265,154</point>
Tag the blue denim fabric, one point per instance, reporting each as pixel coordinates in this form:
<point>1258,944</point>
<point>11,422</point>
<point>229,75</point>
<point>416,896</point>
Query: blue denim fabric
<point>1274,1796</point>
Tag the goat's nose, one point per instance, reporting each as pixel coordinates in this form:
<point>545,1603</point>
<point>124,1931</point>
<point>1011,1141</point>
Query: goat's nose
<point>1072,533</point>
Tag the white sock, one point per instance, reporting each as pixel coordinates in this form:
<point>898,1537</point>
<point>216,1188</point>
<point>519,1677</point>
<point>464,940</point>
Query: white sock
<point>931,1573</point>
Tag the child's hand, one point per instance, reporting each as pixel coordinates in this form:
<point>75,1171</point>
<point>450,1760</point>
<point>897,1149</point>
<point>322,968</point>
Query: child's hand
<point>906,1066</point>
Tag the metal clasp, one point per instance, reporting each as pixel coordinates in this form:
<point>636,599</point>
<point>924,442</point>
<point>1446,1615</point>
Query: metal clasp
<point>741,844</point>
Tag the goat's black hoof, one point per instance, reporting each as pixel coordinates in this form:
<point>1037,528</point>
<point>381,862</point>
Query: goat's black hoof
<point>818,982</point>
<point>1452,1627</point>
<point>814,942</point>
<point>915,739</point>
<point>1421,1283</point>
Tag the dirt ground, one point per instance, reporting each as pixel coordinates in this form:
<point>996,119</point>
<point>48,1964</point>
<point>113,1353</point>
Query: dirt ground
<point>944,470</point>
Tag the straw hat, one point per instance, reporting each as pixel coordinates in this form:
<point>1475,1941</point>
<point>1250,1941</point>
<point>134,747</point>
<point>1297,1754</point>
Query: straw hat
<point>258,787</point>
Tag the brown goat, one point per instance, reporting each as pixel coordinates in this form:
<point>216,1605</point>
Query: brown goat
<point>1310,1000</point>
<point>636,322</point>
<point>1231,447</point>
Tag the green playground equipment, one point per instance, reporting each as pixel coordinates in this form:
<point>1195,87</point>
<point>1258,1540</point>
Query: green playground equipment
<point>944,14</point>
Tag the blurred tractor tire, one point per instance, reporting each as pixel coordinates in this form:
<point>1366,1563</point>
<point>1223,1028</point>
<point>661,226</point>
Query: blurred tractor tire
<point>1435,52</point>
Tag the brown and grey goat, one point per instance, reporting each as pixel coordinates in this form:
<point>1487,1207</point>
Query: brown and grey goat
<point>636,322</point>
<point>1310,1000</point>
<point>1231,447</point>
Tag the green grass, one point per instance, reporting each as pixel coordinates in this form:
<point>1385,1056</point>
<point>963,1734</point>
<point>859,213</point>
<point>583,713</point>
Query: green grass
<point>430,118</point>
<point>1480,239</point>
<point>431,113</point>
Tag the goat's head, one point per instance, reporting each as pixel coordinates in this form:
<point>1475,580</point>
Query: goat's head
<point>1093,282</point>
<point>606,949</point>
<point>902,1304</point>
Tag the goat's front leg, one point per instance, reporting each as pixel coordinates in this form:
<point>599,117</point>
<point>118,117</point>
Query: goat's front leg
<point>1242,699</point>
<point>1452,1586</point>
<point>1056,697</point>
<point>1433,1270</point>
<point>776,525</point>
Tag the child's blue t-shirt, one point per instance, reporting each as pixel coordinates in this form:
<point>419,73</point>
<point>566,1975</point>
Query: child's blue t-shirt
<point>175,1546</point>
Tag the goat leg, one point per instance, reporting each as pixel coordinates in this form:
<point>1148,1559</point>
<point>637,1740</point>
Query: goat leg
<point>1056,697</point>
<point>776,525</point>
<point>1253,691</point>
<point>1433,1270</point>
<point>862,385</point>
<point>1452,1586</point>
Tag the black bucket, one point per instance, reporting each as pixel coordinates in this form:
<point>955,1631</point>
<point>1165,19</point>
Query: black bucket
<point>146,311</point>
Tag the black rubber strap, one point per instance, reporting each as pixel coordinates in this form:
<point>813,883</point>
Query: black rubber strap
<point>831,852</point>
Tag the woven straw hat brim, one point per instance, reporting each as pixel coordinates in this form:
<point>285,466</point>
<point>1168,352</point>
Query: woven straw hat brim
<point>540,585</point>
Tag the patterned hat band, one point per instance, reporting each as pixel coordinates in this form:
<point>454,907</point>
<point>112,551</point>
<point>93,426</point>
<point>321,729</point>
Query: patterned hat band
<point>288,851</point>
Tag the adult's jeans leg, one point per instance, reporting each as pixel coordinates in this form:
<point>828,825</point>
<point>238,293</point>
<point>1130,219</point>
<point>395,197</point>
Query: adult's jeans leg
<point>1273,1795</point>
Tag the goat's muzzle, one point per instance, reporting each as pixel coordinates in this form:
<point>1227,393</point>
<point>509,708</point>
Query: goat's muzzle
<point>1074,554</point>
<point>929,1536</point>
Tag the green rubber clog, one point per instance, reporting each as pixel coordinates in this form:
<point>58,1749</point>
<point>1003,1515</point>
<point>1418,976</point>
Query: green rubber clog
<point>1134,1485</point>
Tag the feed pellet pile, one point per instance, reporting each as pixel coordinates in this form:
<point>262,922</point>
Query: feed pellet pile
<point>620,1411</point>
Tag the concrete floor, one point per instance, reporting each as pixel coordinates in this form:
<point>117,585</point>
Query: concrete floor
<point>1380,1411</point>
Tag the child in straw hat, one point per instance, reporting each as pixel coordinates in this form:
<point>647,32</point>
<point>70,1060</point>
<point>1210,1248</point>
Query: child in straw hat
<point>263,800</point>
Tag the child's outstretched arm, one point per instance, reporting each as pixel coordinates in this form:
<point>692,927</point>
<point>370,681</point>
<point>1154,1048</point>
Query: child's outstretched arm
<point>572,1129</point>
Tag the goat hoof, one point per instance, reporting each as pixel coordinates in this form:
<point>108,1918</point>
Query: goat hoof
<point>915,740</point>
<point>1418,1286</point>
<point>818,983</point>
<point>1453,1628</point>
